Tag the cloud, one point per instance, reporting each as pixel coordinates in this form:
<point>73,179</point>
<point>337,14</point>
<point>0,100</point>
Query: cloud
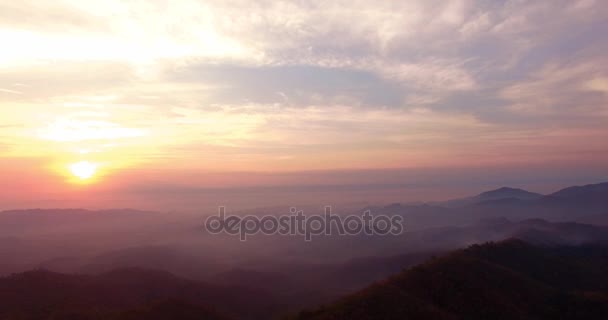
<point>55,17</point>
<point>599,83</point>
<point>82,130</point>
<point>3,90</point>
<point>563,89</point>
<point>436,76</point>
<point>44,81</point>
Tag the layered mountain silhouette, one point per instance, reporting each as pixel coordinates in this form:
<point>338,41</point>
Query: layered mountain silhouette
<point>586,204</point>
<point>507,280</point>
<point>511,279</point>
<point>94,254</point>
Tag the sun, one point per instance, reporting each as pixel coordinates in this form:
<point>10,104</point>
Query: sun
<point>83,170</point>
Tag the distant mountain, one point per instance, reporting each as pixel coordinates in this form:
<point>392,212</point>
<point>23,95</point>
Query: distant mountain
<point>503,193</point>
<point>584,191</point>
<point>506,193</point>
<point>125,294</point>
<point>582,195</point>
<point>507,280</point>
<point>586,204</point>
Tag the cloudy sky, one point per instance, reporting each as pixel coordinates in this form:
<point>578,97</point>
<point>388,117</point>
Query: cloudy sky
<point>160,97</point>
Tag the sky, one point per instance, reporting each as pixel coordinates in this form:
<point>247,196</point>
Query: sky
<point>138,103</point>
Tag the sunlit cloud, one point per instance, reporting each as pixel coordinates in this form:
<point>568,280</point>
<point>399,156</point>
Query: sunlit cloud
<point>78,130</point>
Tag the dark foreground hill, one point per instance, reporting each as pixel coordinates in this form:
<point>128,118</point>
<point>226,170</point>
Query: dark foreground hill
<point>507,280</point>
<point>126,294</point>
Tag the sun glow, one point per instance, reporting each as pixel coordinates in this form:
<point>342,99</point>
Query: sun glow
<point>83,170</point>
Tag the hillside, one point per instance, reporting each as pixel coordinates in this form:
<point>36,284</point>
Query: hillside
<point>507,280</point>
